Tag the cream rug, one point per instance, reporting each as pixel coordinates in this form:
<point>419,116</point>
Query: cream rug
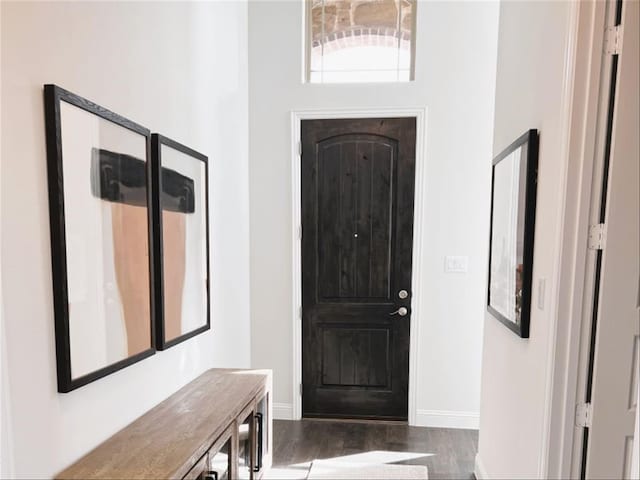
<point>332,470</point>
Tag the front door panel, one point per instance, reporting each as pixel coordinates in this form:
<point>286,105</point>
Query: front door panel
<point>357,215</point>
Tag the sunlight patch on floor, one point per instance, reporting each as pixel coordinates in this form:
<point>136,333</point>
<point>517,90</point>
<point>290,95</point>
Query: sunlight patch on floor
<point>298,471</point>
<point>380,456</point>
<point>374,457</point>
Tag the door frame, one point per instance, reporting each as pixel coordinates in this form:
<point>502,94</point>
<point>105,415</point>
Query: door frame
<point>584,137</point>
<point>420,114</point>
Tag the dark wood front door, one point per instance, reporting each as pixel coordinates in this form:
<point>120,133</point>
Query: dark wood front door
<point>357,235</point>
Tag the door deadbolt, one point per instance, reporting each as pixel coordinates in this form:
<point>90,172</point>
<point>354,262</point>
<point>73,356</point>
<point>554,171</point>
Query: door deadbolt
<point>403,294</point>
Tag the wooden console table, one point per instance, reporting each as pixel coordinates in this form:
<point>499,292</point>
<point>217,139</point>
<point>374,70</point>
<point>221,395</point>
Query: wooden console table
<point>218,426</point>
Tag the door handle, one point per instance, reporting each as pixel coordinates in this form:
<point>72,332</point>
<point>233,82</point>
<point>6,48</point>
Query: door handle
<point>402,311</point>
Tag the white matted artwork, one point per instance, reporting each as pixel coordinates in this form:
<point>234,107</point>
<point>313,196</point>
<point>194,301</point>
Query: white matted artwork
<point>98,198</point>
<point>182,255</point>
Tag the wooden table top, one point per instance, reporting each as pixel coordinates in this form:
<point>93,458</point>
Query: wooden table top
<point>167,440</point>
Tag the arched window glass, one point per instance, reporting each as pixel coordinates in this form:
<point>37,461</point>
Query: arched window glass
<point>360,40</point>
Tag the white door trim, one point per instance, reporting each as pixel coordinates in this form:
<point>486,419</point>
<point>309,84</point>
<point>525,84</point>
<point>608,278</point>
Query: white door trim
<point>561,247</point>
<point>576,273</point>
<point>420,114</point>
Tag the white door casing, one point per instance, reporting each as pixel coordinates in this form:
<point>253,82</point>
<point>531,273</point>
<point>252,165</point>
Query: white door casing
<point>420,114</point>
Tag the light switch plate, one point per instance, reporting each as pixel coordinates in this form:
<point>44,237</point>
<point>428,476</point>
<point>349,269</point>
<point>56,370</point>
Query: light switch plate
<point>541,288</point>
<point>456,264</point>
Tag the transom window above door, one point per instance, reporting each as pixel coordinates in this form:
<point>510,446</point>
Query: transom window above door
<point>360,41</point>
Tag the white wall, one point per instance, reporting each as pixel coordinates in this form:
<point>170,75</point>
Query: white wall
<point>530,93</point>
<point>179,69</point>
<point>4,430</point>
<point>455,74</point>
<point>4,434</point>
<point>635,457</point>
<point>3,402</point>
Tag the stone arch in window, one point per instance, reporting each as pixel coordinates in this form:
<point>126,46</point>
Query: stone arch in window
<point>360,40</point>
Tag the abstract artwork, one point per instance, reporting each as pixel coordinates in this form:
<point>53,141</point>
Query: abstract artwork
<point>100,238</point>
<point>180,186</point>
<point>513,205</point>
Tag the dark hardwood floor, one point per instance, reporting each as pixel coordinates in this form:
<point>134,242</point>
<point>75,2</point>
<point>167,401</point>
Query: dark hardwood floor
<point>447,453</point>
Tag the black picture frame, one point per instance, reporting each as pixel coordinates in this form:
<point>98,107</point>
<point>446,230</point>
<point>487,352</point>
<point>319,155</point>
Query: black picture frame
<point>157,141</point>
<point>53,96</point>
<point>528,143</point>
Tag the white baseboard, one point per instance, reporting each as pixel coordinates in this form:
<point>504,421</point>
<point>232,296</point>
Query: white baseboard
<point>282,411</point>
<point>447,419</point>
<point>478,470</point>
<point>424,418</point>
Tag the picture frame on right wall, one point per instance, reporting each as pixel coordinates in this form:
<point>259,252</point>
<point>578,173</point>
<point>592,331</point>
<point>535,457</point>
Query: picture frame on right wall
<point>513,211</point>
